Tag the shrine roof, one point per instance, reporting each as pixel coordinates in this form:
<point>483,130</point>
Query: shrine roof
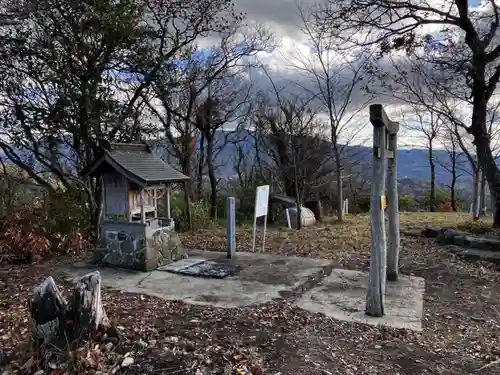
<point>137,162</point>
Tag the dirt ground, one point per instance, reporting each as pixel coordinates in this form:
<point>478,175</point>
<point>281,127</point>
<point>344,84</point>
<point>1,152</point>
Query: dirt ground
<point>461,326</point>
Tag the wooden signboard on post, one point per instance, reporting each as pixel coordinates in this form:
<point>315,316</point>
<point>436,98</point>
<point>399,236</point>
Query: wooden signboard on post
<point>383,264</point>
<point>261,208</point>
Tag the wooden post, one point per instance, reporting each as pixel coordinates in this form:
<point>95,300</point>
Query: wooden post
<point>264,233</point>
<point>155,202</point>
<point>168,202</point>
<point>382,126</point>
<point>231,226</point>
<point>393,211</point>
<point>143,212</point>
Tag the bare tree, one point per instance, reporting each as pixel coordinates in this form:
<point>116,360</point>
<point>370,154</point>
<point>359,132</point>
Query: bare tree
<point>464,49</point>
<point>227,104</point>
<point>293,140</point>
<point>333,77</point>
<point>429,125</point>
<point>186,95</point>
<point>247,170</point>
<point>66,67</point>
<point>454,162</point>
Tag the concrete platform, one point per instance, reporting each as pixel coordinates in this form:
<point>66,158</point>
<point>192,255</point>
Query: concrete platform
<point>342,295</point>
<point>308,282</point>
<point>262,277</point>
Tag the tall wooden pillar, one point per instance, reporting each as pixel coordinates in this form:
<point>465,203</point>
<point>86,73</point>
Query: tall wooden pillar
<point>384,146</point>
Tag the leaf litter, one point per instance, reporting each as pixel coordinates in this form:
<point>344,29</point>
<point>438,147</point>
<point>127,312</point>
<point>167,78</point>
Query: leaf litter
<point>461,327</point>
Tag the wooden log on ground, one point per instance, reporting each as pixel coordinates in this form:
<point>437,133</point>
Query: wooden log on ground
<point>61,324</point>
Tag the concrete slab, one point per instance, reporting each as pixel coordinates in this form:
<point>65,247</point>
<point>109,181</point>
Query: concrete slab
<point>311,283</point>
<point>262,278</point>
<point>342,295</point>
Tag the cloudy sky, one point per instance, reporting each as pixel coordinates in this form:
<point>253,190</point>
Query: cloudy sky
<point>282,17</point>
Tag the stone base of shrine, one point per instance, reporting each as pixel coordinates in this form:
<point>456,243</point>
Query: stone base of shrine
<point>138,246</point>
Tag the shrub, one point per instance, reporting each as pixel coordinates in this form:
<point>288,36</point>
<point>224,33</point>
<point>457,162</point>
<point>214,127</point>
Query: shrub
<point>360,205</point>
<point>445,207</point>
<point>52,225</point>
<point>441,197</point>
<point>405,202</point>
<point>199,213</point>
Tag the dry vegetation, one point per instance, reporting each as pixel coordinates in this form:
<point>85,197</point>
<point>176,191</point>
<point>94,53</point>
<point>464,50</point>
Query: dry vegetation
<point>347,244</point>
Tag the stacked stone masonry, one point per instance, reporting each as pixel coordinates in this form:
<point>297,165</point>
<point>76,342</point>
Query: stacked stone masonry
<point>138,246</point>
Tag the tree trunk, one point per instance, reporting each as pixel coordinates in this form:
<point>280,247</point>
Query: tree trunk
<point>298,201</point>
<point>211,176</point>
<point>453,185</point>
<point>453,194</point>
<point>187,202</point>
<point>482,196</point>
<point>94,193</point>
<point>492,174</point>
<point>186,169</point>
<point>201,164</point>
<point>55,323</point>
<point>482,141</point>
<point>432,164</point>
<point>340,195</point>
<point>476,193</point>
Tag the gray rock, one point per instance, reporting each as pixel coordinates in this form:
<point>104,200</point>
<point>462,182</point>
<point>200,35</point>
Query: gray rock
<point>127,361</point>
<point>467,240</point>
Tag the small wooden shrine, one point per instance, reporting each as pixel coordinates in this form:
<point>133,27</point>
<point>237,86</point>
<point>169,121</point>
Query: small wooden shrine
<point>135,180</point>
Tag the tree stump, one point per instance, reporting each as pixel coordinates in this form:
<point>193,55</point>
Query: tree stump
<point>87,311</point>
<point>48,310</point>
<point>66,325</point>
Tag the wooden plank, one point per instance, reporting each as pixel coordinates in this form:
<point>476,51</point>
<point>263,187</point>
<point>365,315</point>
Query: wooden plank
<point>116,194</point>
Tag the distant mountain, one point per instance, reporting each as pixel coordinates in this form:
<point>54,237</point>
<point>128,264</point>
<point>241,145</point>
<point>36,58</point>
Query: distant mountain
<point>413,164</point>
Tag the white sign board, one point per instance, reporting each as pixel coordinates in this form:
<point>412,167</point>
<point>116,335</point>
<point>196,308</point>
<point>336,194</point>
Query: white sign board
<point>261,205</point>
<point>261,200</point>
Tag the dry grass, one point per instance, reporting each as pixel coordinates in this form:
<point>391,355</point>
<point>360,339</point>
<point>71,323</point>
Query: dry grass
<point>347,243</point>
